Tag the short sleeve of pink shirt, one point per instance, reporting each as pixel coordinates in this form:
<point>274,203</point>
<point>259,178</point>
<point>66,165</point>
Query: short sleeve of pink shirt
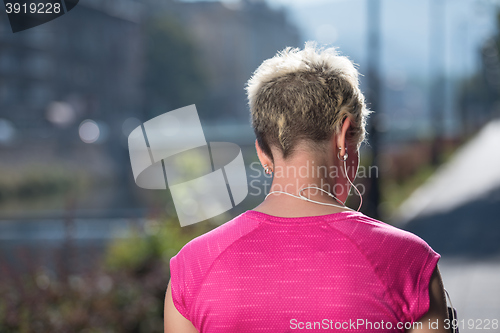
<point>262,273</point>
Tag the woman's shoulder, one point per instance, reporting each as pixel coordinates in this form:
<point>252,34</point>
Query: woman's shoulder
<point>393,253</point>
<point>378,233</point>
<point>403,261</point>
<point>212,243</point>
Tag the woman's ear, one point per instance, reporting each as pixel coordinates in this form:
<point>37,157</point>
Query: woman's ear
<point>262,156</point>
<point>341,141</point>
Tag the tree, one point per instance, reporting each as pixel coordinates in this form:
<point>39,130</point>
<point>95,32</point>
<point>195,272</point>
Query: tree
<point>479,96</point>
<point>174,75</point>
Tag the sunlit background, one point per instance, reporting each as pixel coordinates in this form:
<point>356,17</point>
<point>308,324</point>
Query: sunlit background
<point>84,249</point>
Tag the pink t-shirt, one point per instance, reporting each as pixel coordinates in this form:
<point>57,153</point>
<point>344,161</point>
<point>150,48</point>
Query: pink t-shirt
<point>343,271</point>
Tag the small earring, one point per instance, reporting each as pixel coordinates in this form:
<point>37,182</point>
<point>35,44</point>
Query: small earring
<point>267,169</point>
<point>344,158</point>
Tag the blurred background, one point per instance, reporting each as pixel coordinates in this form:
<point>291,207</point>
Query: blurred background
<point>83,249</point>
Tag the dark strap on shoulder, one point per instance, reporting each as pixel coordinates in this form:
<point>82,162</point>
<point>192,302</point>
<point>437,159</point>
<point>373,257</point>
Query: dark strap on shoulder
<point>452,315</point>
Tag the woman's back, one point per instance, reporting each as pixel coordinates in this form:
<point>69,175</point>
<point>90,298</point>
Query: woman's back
<point>345,271</point>
<point>328,270</point>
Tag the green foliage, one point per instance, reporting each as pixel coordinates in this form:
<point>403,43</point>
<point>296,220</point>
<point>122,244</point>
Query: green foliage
<point>98,302</point>
<point>395,192</point>
<point>161,241</point>
<point>126,294</point>
<point>38,181</point>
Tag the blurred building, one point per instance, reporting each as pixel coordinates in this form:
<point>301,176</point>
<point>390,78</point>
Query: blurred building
<point>89,61</point>
<point>235,38</point>
<point>92,60</point>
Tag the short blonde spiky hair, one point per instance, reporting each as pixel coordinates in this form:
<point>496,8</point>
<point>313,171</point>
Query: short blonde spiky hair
<point>305,95</point>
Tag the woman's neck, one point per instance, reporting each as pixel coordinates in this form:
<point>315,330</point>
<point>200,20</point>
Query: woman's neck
<point>301,172</point>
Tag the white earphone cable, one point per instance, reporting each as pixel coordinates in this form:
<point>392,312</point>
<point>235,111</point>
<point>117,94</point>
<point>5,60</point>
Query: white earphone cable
<point>302,197</point>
